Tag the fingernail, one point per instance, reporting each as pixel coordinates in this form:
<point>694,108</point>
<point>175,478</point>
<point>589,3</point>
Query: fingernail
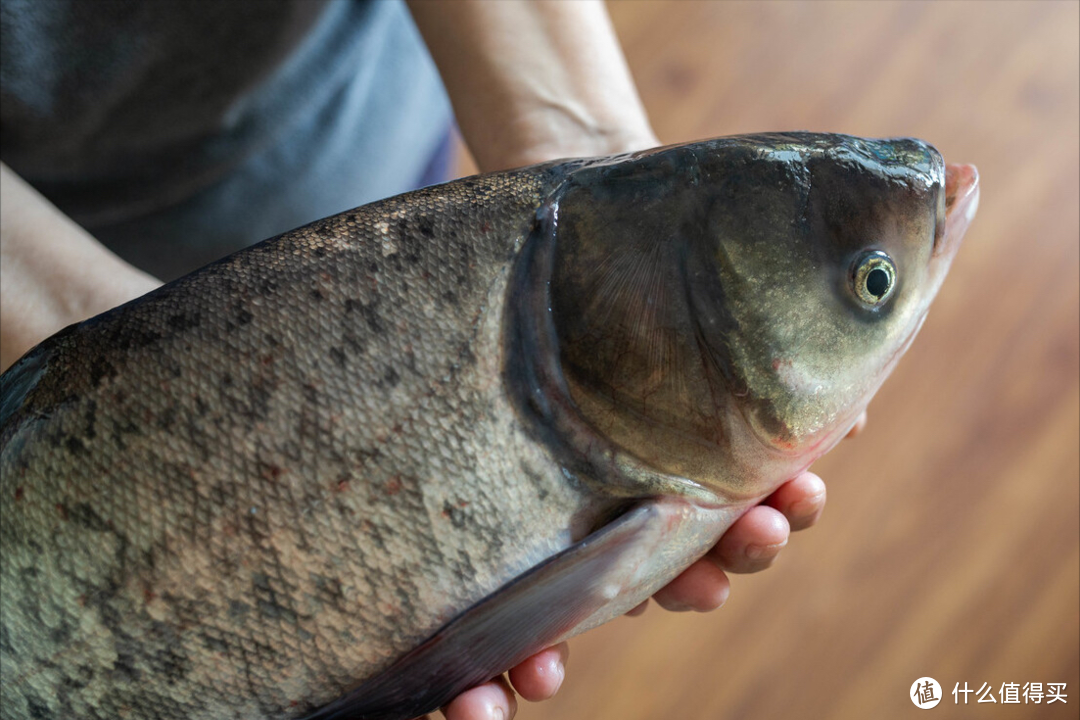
<point>758,552</point>
<point>806,508</point>
<point>560,673</point>
<point>498,714</point>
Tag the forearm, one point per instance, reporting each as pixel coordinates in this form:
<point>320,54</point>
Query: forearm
<point>534,80</point>
<point>52,272</point>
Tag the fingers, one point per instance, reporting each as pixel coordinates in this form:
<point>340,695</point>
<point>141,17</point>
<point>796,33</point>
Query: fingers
<point>702,587</point>
<point>539,677</point>
<point>494,700</point>
<point>801,500</point>
<point>639,609</point>
<point>750,545</point>
<point>753,542</point>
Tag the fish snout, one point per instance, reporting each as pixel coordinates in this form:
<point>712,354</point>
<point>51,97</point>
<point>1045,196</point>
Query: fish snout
<point>961,202</point>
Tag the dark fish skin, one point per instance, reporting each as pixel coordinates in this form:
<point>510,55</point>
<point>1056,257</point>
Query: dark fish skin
<point>227,499</point>
<point>341,474</point>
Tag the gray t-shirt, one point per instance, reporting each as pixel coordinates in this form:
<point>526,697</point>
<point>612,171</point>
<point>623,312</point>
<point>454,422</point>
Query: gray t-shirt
<point>177,132</point>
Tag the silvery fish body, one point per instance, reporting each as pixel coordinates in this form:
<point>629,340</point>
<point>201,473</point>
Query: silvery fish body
<point>358,468</point>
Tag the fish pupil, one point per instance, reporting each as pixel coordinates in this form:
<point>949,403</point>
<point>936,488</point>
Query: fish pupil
<point>877,282</point>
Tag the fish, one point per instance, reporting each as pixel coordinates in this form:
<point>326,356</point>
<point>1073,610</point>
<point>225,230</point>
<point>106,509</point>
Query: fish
<point>356,469</point>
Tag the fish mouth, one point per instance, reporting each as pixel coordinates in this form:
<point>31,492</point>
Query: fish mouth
<point>961,202</point>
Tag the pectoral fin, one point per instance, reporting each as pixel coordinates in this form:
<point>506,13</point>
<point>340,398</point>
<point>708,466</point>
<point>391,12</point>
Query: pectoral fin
<point>597,579</point>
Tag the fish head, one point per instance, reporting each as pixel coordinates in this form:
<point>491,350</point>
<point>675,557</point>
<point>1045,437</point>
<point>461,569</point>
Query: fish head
<point>822,264</point>
<point>732,323</point>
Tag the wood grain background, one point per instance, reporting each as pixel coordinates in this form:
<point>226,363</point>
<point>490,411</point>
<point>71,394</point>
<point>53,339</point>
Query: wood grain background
<point>950,546</point>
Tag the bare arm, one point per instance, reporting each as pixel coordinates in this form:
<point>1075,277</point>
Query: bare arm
<point>534,81</point>
<point>52,272</point>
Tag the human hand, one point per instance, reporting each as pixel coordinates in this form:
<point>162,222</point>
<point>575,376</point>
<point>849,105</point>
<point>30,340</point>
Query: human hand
<point>750,545</point>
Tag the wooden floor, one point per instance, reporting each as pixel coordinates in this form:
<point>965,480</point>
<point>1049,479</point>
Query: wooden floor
<point>950,546</point>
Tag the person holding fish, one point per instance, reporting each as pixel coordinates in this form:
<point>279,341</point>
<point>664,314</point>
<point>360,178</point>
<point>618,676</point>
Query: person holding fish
<point>529,82</point>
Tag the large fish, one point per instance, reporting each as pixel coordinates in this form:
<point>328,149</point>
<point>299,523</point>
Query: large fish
<point>358,468</point>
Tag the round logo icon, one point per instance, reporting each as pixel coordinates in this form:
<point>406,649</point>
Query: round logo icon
<point>925,693</point>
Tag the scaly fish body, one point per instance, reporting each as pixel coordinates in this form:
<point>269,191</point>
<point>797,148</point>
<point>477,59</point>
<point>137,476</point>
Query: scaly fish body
<point>355,469</point>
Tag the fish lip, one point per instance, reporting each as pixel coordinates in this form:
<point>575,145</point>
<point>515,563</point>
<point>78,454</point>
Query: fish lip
<point>961,202</point>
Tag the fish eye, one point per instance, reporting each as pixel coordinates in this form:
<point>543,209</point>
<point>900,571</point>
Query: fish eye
<point>873,277</point>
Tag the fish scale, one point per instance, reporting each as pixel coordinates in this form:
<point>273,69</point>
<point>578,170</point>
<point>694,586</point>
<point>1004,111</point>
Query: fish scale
<point>360,467</point>
<point>179,543</point>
